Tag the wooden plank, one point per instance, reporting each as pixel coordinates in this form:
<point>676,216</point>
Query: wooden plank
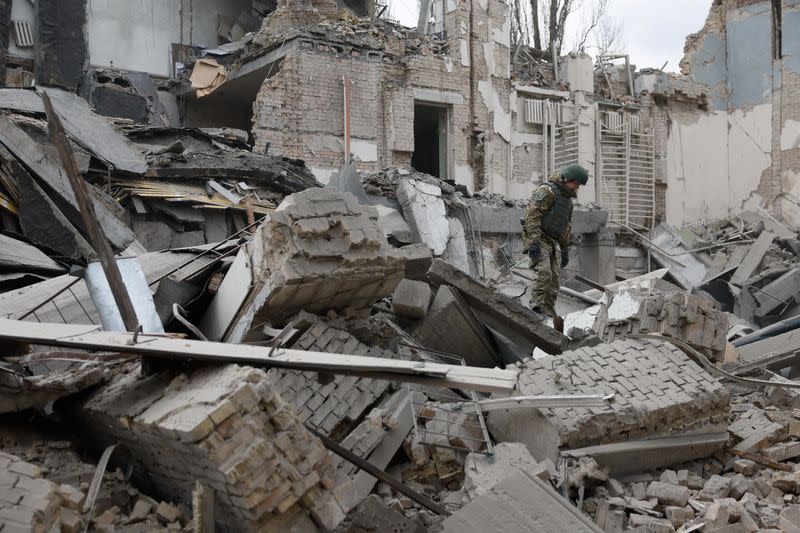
<point>753,258</point>
<point>90,338</point>
<point>84,125</point>
<point>99,241</point>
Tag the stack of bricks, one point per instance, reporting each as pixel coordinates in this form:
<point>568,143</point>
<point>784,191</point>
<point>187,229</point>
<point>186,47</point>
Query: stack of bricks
<point>320,250</point>
<point>226,427</point>
<point>29,503</point>
<point>681,315</point>
<point>336,407</point>
<point>658,391</point>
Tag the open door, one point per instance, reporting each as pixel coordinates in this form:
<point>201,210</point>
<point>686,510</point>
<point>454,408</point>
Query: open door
<point>430,139</point>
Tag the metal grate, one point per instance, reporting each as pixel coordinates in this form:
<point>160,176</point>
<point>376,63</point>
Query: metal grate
<point>440,420</point>
<point>627,173</point>
<point>566,145</point>
<point>23,33</point>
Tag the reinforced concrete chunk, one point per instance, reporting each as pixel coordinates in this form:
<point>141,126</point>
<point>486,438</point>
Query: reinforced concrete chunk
<point>425,212</point>
<point>499,312</point>
<point>519,504</point>
<point>451,326</point>
<point>319,250</point>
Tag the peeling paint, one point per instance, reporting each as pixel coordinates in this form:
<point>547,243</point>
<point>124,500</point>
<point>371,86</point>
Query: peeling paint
<point>364,150</point>
<point>749,59</point>
<point>323,175</point>
<point>502,119</point>
<point>791,39</point>
<point>710,68</point>
<point>790,135</point>
<point>464,176</point>
<point>502,35</point>
<point>749,151</point>
<point>463,47</point>
<point>451,6</point>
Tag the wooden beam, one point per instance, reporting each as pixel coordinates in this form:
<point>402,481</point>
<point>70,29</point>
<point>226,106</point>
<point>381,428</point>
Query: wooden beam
<point>98,238</point>
<point>160,346</point>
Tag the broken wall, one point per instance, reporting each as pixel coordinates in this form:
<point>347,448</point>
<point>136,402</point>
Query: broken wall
<point>472,83</point>
<point>746,145</point>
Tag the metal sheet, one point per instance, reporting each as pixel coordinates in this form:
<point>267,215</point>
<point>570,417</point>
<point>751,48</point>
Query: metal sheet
<point>136,284</point>
<point>231,295</point>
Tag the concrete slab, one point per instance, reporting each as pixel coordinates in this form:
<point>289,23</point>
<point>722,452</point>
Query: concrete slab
<point>451,327</point>
<point>519,504</point>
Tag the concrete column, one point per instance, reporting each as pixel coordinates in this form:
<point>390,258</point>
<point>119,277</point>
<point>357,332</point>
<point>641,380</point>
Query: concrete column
<point>596,256</point>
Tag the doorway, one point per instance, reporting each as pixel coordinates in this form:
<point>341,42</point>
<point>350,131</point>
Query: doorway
<point>430,139</point>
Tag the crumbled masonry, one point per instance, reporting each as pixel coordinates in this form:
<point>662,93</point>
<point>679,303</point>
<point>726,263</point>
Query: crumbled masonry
<point>658,392</point>
<point>228,428</point>
<point>320,208</point>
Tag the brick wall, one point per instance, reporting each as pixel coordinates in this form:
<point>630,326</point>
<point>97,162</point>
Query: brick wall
<point>658,391</point>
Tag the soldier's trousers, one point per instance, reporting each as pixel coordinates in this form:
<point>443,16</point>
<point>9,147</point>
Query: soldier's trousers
<point>546,278</point>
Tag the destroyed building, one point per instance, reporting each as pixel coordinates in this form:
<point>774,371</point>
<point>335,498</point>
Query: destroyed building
<point>262,270</point>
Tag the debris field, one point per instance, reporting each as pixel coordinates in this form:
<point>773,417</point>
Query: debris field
<point>277,284</point>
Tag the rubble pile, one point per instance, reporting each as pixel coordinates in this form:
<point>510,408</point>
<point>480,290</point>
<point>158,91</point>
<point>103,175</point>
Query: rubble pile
<point>197,336</point>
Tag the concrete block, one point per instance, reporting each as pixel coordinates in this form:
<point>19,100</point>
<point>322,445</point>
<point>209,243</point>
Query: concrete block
<point>425,212</point>
<point>715,488</point>
<point>481,474</point>
<point>418,259</point>
<point>668,493</point>
<point>519,504</point>
<point>411,299</point>
<point>451,327</point>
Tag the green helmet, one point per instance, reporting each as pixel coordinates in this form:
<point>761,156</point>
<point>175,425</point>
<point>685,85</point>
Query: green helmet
<point>575,172</point>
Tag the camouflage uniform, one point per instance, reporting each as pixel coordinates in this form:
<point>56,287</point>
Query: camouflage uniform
<point>547,270</point>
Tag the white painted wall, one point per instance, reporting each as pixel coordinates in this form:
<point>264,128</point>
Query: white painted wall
<point>749,152</point>
<point>697,162</point>
<point>133,34</point>
<point>137,34</point>
<point>205,18</point>
<point>21,10</point>
<point>715,162</point>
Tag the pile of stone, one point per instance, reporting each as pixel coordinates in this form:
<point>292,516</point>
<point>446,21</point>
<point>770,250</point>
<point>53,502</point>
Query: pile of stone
<point>35,498</point>
<point>750,486</point>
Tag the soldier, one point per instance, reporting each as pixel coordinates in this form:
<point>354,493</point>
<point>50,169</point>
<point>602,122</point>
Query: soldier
<point>546,231</point>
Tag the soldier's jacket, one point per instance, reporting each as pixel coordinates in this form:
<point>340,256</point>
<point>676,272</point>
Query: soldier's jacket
<point>542,201</point>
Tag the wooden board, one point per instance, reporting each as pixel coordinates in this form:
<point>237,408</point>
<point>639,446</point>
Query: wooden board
<point>92,338</point>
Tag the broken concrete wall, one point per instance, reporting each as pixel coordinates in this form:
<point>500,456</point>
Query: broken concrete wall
<point>683,316</point>
<point>320,250</point>
<point>228,428</point>
<point>658,391</point>
<point>745,146</point>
